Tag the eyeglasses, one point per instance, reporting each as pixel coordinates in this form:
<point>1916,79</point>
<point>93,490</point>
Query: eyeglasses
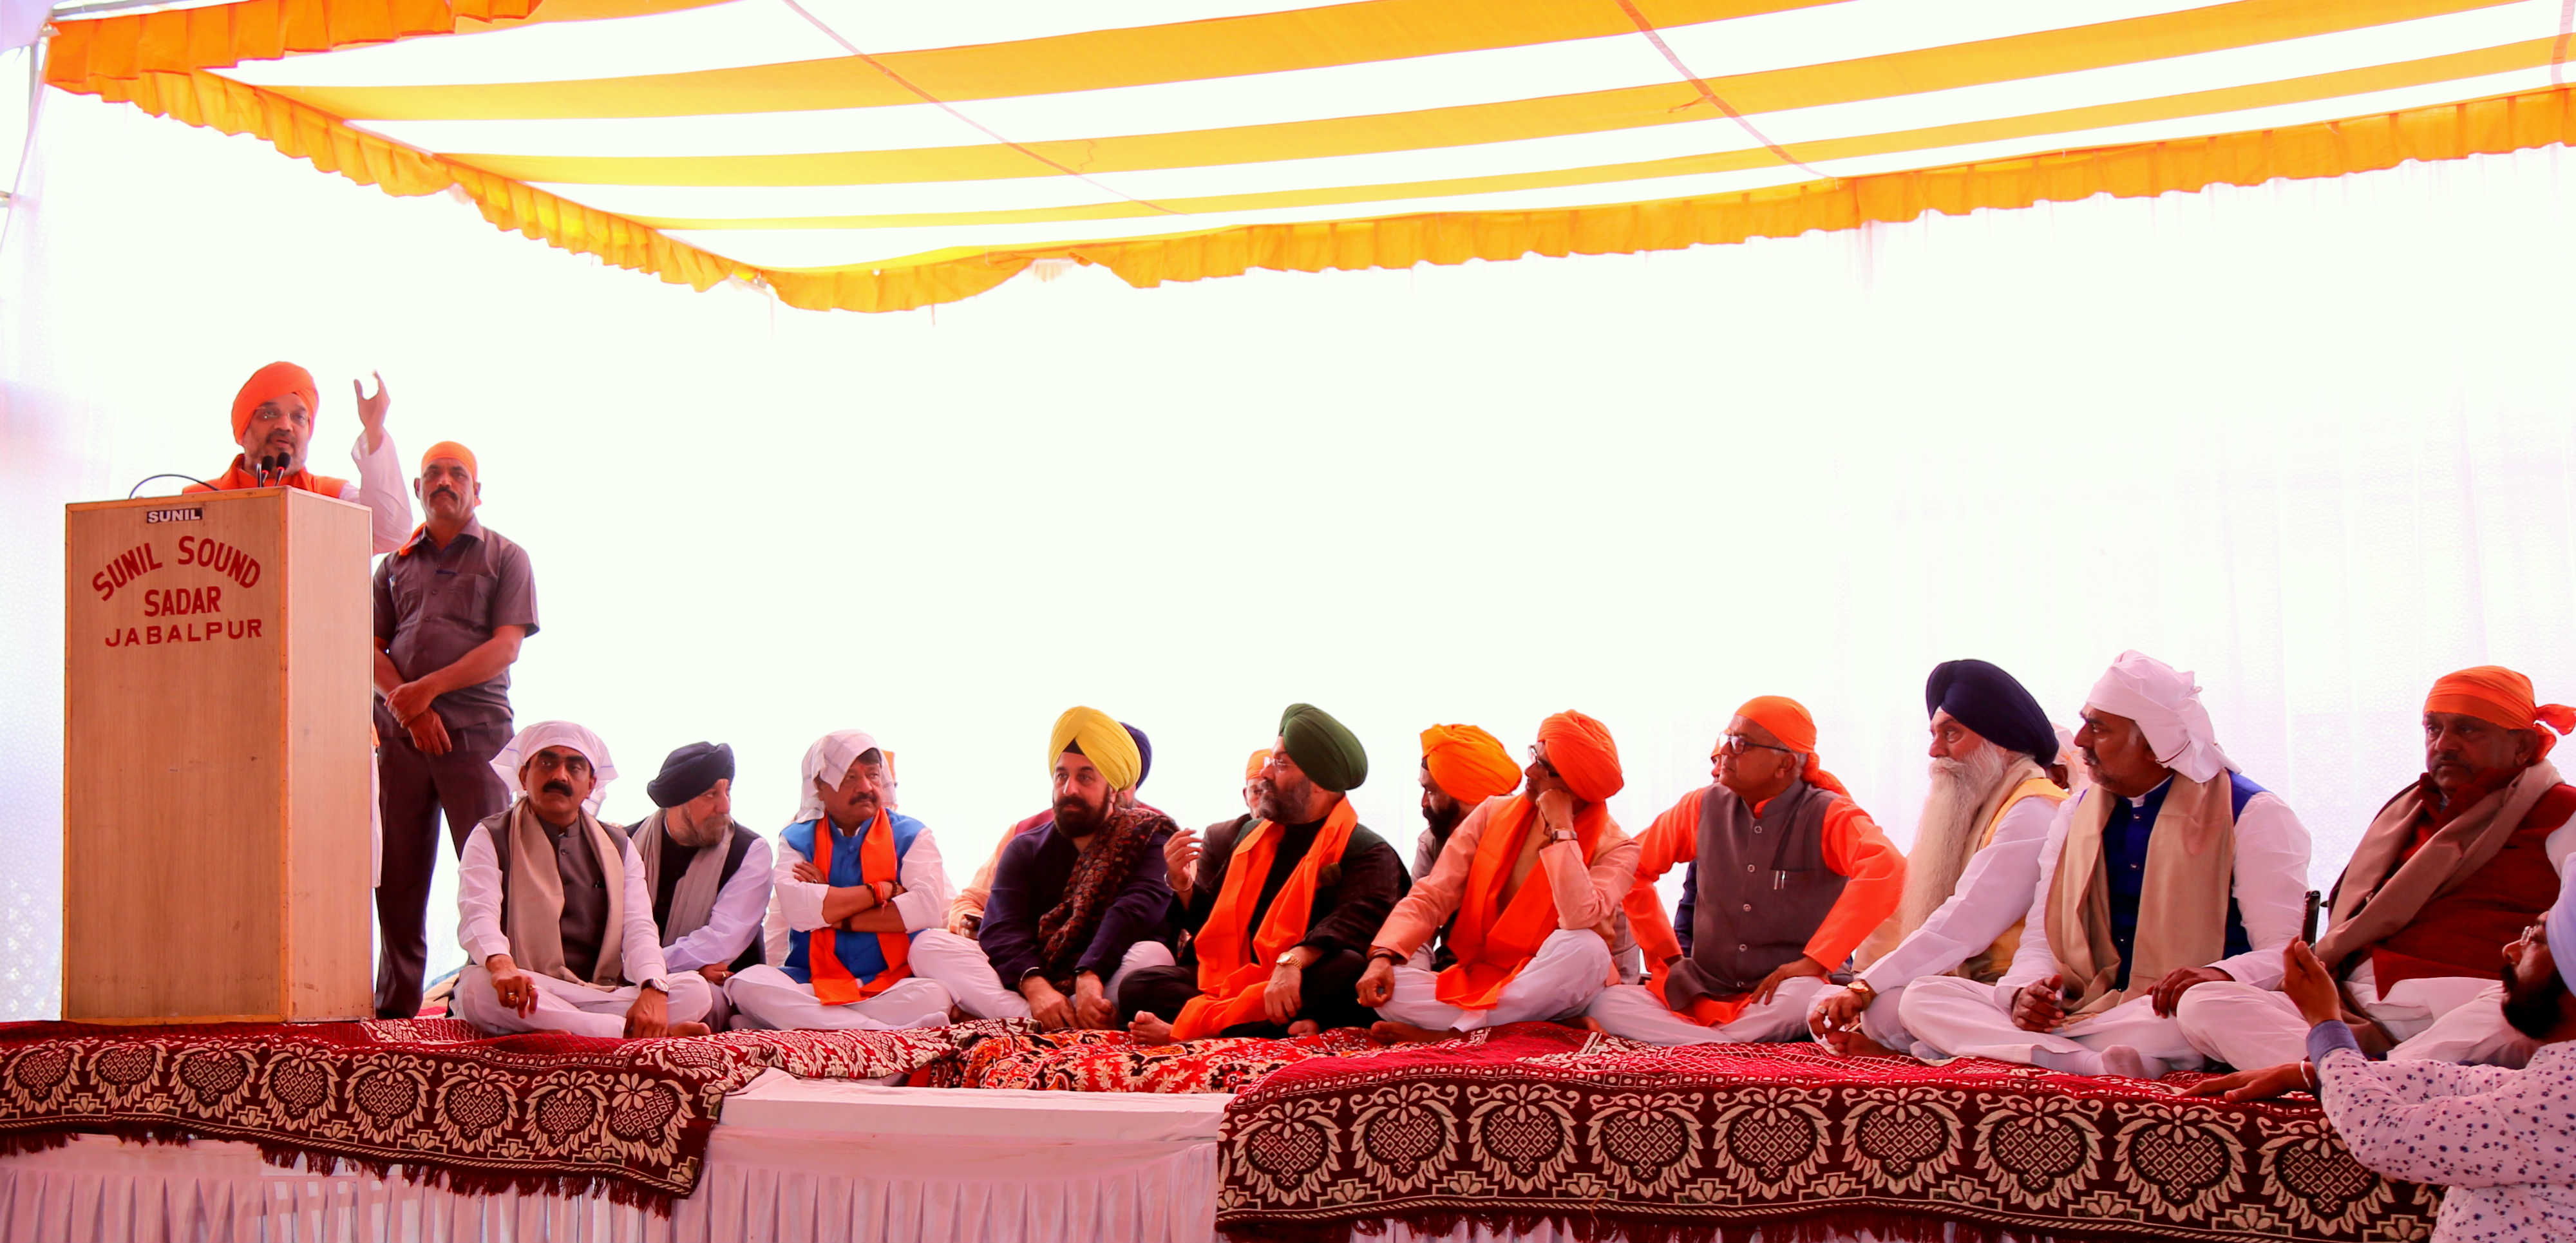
<point>1738,744</point>
<point>1541,761</point>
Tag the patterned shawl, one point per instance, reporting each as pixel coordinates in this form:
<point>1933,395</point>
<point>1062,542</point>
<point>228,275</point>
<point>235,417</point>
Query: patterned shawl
<point>1065,931</point>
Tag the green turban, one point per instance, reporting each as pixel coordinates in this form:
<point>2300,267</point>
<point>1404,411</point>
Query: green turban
<point>1328,752</point>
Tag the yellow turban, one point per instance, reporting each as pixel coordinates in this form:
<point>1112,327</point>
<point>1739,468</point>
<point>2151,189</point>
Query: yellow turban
<point>1098,737</point>
<point>1468,764</point>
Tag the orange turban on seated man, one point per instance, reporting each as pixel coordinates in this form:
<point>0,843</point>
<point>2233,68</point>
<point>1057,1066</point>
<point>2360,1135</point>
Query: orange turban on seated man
<point>1789,721</point>
<point>1580,750</point>
<point>268,384</point>
<point>2499,696</point>
<point>1468,764</point>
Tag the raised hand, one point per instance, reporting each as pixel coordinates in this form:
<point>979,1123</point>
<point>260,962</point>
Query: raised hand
<point>371,410</point>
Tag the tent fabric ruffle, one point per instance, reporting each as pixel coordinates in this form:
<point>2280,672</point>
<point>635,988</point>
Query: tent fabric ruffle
<point>89,53</point>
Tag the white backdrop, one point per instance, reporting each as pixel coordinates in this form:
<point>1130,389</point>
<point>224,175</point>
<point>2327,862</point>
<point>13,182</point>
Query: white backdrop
<point>2314,440</point>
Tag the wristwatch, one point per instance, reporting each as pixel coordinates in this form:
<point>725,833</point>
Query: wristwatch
<point>1868,995</point>
<point>1288,957</point>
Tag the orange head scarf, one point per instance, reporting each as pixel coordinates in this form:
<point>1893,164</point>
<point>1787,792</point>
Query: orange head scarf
<point>2499,695</point>
<point>449,448</point>
<point>268,384</point>
<point>1469,764</point>
<point>1580,750</point>
<point>1789,721</point>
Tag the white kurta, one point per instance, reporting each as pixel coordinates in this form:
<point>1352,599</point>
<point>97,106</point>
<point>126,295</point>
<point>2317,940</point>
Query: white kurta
<point>2502,1143</point>
<point>562,1005</point>
<point>384,489</point>
<point>1560,979</point>
<point>1961,1018</point>
<point>740,907</point>
<point>1993,892</point>
<point>769,997</point>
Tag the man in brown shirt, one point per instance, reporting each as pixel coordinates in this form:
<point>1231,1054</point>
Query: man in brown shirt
<point>451,606</point>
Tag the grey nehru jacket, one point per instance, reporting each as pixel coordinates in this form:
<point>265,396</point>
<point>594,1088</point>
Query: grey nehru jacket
<point>433,605</point>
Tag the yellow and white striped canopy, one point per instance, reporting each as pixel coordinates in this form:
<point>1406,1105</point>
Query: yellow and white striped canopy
<point>877,155</point>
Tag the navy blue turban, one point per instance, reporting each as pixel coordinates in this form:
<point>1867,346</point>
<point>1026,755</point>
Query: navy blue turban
<point>689,772</point>
<point>1988,700</point>
<point>1144,752</point>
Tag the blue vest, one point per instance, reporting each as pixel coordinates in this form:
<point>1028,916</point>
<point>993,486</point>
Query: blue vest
<point>2125,833</point>
<point>857,951</point>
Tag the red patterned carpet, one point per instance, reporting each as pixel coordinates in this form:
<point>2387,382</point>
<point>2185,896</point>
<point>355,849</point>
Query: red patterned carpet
<point>534,1113</point>
<point>994,1055</point>
<point>1615,1140</point>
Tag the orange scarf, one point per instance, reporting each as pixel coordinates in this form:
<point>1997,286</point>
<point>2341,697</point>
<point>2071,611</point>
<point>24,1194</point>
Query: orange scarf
<point>1232,984</point>
<point>833,983</point>
<point>1494,941</point>
<point>239,478</point>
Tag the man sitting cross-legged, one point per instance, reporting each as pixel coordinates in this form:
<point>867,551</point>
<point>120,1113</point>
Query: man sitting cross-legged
<point>709,876</point>
<point>1076,901</point>
<point>1790,874</point>
<point>856,882</point>
<point>558,924</point>
<point>2450,871</point>
<point>1534,880</point>
<point>1975,860</point>
<point>1278,908</point>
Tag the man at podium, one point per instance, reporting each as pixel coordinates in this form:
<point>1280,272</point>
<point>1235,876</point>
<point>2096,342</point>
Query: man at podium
<point>273,418</point>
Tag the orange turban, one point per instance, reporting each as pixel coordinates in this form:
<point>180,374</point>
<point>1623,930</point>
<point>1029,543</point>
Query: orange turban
<point>1469,764</point>
<point>1580,750</point>
<point>1252,767</point>
<point>1789,721</point>
<point>449,448</point>
<point>2496,694</point>
<point>268,384</point>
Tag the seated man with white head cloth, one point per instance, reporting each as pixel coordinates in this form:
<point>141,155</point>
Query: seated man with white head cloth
<point>2170,872</point>
<point>855,883</point>
<point>558,922</point>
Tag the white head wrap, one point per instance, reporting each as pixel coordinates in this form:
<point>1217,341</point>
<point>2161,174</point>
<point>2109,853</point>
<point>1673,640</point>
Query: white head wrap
<point>2165,703</point>
<point>546,734</point>
<point>828,761</point>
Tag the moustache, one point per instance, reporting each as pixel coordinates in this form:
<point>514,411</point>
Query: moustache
<point>449,493</point>
<point>558,787</point>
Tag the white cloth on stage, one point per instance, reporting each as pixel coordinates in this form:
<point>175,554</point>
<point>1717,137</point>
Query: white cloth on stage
<point>1992,894</point>
<point>1560,979</point>
<point>1634,1011</point>
<point>771,998</point>
<point>565,1006</point>
<point>960,966</point>
<point>1962,1018</point>
<point>2451,1018</point>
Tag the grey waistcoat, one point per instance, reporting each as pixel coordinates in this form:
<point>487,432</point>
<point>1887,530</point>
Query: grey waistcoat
<point>1763,889</point>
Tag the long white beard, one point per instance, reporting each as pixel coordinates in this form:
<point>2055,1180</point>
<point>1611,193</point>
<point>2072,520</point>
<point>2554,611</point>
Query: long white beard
<point>1946,838</point>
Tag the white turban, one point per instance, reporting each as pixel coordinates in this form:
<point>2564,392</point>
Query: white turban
<point>546,734</point>
<point>828,761</point>
<point>2165,703</point>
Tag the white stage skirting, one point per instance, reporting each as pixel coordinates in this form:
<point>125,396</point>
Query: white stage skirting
<point>792,1162</point>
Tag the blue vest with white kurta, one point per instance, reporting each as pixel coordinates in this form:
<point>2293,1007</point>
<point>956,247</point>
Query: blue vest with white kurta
<point>858,953</point>
<point>2125,833</point>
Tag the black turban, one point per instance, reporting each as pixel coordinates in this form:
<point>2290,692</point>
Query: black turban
<point>1988,700</point>
<point>1321,746</point>
<point>1144,752</point>
<point>689,772</point>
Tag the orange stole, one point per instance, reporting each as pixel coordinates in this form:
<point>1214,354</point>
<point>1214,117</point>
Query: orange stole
<point>1494,941</point>
<point>833,983</point>
<point>1233,984</point>
<point>240,478</point>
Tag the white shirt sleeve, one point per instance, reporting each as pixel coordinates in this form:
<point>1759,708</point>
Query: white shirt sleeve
<point>799,903</point>
<point>735,920</point>
<point>924,900</point>
<point>2033,960</point>
<point>478,898</point>
<point>383,489</point>
<point>1993,891</point>
<point>2561,841</point>
<point>641,945</point>
<point>2271,887</point>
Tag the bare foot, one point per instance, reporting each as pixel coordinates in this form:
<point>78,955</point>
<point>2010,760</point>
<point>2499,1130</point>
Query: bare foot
<point>1388,1031</point>
<point>1304,1027</point>
<point>1146,1029</point>
<point>689,1029</point>
<point>1855,1044</point>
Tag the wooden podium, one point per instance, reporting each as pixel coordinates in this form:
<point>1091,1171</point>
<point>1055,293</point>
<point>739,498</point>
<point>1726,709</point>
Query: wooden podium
<point>218,854</point>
